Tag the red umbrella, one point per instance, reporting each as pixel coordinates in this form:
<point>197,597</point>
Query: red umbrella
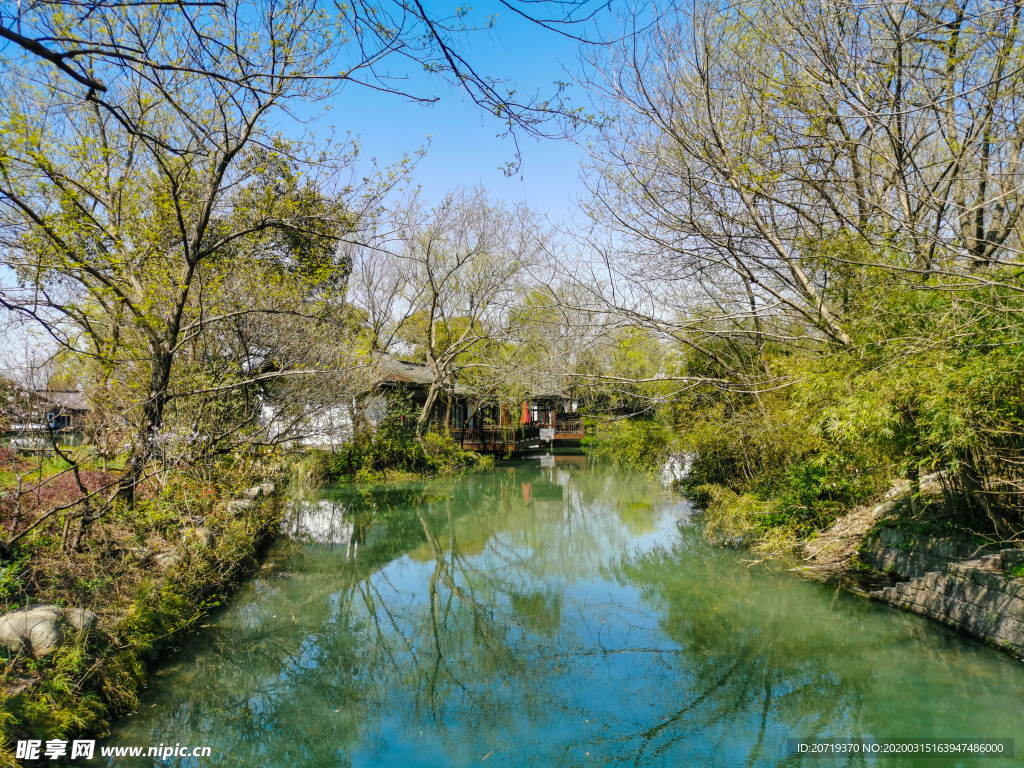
<point>525,419</point>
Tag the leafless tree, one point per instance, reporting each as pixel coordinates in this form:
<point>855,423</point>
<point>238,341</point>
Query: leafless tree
<point>759,151</point>
<point>445,289</point>
<point>92,43</point>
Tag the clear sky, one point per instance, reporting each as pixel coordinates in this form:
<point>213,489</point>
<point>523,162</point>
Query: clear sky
<point>464,145</point>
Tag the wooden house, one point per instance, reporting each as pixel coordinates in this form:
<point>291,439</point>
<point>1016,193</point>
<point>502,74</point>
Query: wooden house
<point>65,409</point>
<point>544,420</point>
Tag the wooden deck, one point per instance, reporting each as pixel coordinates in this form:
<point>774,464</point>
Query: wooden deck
<point>519,438</point>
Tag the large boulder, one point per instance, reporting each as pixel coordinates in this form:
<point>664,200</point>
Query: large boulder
<point>238,506</point>
<point>259,491</point>
<point>42,629</point>
<point>676,469</point>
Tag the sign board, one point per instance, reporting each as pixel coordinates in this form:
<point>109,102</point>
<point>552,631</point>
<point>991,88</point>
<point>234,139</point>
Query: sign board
<point>547,433</point>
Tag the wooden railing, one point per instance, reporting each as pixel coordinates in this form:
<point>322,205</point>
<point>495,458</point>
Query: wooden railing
<point>498,436</point>
<point>572,427</point>
<point>493,434</point>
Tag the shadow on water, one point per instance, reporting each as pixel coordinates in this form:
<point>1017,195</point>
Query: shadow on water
<point>548,616</point>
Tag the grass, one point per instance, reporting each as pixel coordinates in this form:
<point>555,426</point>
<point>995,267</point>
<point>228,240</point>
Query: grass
<point>31,469</point>
<point>142,607</point>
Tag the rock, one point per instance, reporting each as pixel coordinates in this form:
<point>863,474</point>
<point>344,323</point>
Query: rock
<point>992,562</point>
<point>259,491</point>
<point>898,489</point>
<point>932,483</point>
<point>201,538</point>
<point>238,506</point>
<point>1011,557</point>
<point>42,629</point>
<point>19,685</point>
<point>883,509</point>
<point>166,560</point>
<point>81,619</point>
<point>676,469</point>
<point>34,633</point>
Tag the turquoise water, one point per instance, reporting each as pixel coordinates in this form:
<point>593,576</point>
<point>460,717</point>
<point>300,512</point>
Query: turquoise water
<point>565,616</point>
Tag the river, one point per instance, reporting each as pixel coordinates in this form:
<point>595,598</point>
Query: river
<point>549,616</point>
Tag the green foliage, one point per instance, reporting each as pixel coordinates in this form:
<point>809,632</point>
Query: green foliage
<point>932,383</point>
<point>392,449</point>
<point>97,676</point>
<point>10,579</point>
<point>811,494</point>
<point>641,443</point>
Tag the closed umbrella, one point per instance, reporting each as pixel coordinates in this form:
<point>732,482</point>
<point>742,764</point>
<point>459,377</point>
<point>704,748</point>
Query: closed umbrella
<point>525,419</point>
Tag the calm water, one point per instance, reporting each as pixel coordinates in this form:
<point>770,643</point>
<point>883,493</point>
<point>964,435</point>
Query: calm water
<point>566,616</point>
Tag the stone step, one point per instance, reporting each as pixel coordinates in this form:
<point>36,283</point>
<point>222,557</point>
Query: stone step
<point>1011,557</point>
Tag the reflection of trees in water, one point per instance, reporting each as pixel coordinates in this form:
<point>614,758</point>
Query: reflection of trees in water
<point>461,609</point>
<point>465,649</point>
<point>763,657</point>
<point>452,615</point>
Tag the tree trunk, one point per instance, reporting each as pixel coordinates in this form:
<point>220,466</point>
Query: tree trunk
<point>428,406</point>
<point>149,427</point>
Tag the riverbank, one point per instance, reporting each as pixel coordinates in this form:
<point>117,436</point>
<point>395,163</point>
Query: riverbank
<point>907,546</point>
<point>918,562</point>
<point>389,453</point>
<point>80,625</point>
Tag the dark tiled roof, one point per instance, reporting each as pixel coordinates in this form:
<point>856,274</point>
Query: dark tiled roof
<point>392,369</point>
<point>69,400</point>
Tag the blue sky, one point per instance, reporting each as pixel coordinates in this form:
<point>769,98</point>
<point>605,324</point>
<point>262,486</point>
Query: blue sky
<point>464,145</point>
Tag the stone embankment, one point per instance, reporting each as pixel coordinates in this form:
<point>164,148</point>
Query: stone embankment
<point>908,555</point>
<point>972,595</point>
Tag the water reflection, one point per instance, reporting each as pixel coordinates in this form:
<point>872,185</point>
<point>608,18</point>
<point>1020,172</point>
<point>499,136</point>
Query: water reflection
<point>548,616</point>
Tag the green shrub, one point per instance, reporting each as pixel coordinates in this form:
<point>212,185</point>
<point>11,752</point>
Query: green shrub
<point>392,449</point>
<point>641,443</point>
<point>809,495</point>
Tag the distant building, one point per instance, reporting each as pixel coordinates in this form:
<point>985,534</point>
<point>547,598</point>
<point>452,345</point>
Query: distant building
<point>66,410</point>
<point>544,420</point>
<point>53,415</point>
